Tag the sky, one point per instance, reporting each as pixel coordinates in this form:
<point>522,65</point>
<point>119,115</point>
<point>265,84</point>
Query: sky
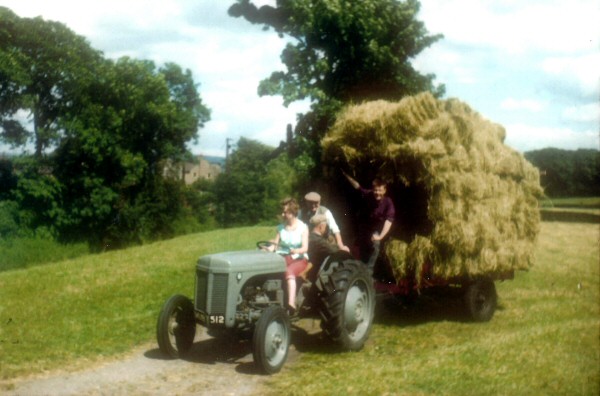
<point>531,65</point>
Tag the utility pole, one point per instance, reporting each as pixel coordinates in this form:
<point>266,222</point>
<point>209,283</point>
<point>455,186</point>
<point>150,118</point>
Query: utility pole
<point>227,148</point>
<point>290,140</point>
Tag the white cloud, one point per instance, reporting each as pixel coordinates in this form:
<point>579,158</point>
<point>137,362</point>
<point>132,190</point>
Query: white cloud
<point>522,104</point>
<point>566,26</point>
<point>528,137</point>
<point>586,113</point>
<point>87,17</point>
<point>582,72</point>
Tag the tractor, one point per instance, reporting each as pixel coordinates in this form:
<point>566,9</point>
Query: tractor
<point>243,293</point>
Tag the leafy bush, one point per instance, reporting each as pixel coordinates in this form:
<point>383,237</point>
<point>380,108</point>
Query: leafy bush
<point>9,219</point>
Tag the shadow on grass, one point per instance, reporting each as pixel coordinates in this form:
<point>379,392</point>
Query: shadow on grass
<point>316,342</point>
<point>390,311</point>
<point>434,306</point>
<point>570,216</point>
<point>238,350</point>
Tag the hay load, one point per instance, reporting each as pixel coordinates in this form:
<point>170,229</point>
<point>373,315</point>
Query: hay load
<point>478,212</point>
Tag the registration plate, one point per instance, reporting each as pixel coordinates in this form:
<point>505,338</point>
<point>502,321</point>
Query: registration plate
<point>211,320</point>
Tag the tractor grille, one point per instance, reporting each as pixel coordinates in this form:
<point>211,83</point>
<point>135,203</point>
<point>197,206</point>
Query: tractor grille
<point>201,286</point>
<point>219,294</point>
<point>211,292</point>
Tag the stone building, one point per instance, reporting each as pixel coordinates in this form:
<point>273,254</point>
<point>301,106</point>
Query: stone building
<point>191,172</point>
<point>202,170</point>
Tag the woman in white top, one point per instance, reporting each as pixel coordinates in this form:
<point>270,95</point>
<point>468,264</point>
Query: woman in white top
<point>292,238</point>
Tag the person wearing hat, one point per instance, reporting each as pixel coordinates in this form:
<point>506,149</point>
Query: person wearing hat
<point>319,246</point>
<point>313,207</point>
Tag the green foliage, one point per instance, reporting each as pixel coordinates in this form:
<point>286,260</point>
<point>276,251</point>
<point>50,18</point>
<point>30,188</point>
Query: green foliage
<point>342,51</point>
<point>39,195</point>
<point>102,131</point>
<point>199,204</point>
<point>111,161</point>
<point>8,178</point>
<point>568,173</point>
<point>9,219</point>
<point>241,192</point>
<point>43,66</point>
<point>250,190</point>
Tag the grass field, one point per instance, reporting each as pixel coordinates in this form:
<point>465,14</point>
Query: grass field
<point>544,338</point>
<point>100,305</point>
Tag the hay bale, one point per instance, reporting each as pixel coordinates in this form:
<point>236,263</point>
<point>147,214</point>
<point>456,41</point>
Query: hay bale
<point>481,195</point>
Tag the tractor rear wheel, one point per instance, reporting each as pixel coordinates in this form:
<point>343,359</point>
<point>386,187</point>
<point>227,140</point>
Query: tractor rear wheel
<point>347,303</point>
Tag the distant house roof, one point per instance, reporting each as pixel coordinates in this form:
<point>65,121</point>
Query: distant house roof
<point>214,160</point>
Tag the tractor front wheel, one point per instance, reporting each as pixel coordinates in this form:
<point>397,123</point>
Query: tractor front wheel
<point>176,327</point>
<point>271,340</point>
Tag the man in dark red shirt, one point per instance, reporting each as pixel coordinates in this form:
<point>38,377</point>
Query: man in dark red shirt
<point>381,217</point>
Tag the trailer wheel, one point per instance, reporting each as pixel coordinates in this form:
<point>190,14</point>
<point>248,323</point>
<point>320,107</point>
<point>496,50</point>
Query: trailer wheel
<point>176,326</point>
<point>481,300</point>
<point>347,304</point>
<point>271,340</point>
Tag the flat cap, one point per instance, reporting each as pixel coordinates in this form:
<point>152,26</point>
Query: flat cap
<point>313,197</point>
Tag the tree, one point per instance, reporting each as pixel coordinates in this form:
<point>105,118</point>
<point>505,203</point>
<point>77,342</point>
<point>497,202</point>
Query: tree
<point>102,131</point>
<point>342,51</point>
<point>250,191</point>
<point>112,156</point>
<point>43,65</point>
<point>567,173</point>
<point>240,192</point>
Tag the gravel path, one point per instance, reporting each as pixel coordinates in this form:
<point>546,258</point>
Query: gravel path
<point>214,367</point>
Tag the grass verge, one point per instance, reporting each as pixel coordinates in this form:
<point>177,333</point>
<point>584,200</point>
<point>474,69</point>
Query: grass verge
<point>99,305</point>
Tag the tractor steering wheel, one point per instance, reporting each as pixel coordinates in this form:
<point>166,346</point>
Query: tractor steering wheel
<point>265,245</point>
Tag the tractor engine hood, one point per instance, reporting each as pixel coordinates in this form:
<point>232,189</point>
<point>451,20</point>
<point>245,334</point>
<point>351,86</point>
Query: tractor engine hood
<point>257,261</point>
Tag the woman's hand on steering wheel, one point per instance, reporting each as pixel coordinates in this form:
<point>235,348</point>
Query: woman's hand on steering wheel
<point>266,245</point>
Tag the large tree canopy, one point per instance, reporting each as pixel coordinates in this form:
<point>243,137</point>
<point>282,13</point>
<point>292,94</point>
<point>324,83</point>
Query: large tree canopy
<point>343,51</point>
<point>101,129</point>
<point>43,65</point>
<point>134,117</point>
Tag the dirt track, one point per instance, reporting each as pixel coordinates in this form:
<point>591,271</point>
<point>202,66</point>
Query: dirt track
<point>214,367</point>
